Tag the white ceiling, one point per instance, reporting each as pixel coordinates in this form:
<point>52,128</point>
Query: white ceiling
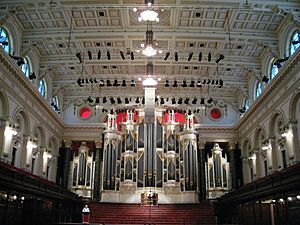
<point>241,32</point>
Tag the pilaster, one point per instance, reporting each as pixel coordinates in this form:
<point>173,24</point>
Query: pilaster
<point>201,170</point>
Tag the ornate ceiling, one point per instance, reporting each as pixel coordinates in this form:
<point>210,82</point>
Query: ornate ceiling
<point>241,31</point>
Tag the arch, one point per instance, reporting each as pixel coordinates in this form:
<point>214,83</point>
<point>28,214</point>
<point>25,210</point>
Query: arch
<point>43,88</point>
<point>246,147</point>
<point>294,37</point>
<point>27,66</point>
<point>257,136</point>
<point>272,124</point>
<point>293,106</point>
<point>284,39</point>
<point>25,118</point>
<point>4,105</point>
<point>257,90</point>
<point>40,134</point>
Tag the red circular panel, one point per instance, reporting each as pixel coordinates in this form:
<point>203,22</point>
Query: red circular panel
<point>215,114</point>
<point>85,112</point>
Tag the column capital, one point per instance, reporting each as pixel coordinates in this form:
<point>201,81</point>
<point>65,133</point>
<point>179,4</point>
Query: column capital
<point>98,144</point>
<point>68,143</point>
<point>201,144</point>
<point>232,145</point>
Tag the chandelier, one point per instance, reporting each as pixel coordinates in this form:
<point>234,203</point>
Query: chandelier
<point>148,15</point>
<point>149,50</point>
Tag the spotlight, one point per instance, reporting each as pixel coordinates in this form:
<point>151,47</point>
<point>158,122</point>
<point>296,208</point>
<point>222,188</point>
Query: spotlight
<point>167,83</point>
<point>104,100</point>
<point>265,79</point>
<point>200,57</point>
<point>111,111</point>
<point>221,57</point>
<point>131,55</point>
<point>79,82</point>
<point>99,54</point>
<point>295,42</point>
<point>108,84</point>
<point>167,55</point>
<point>78,55</point>
<point>4,42</point>
<point>126,101</point>
<point>90,100</point>
<point>208,81</point>
<point>242,110</point>
<point>184,84</point>
<point>116,83</point>
<point>162,101</point>
<point>52,104</point>
<point>101,83</point>
<point>91,80</point>
<point>202,101</point>
<point>108,55</point>
<point>90,55</point>
<point>220,83</point>
<point>213,82</point>
<point>86,80</point>
<point>143,100</point>
<point>176,56</point>
<point>132,83</point>
<point>97,100</point>
<point>156,99</point>
<point>32,76</point>
<point>194,101</point>
<point>186,101</point>
<point>180,101</point>
<point>112,100</point>
<point>119,100</point>
<point>173,101</point>
<point>190,56</point>
<point>122,55</point>
<point>210,100</point>
<point>175,84</point>
<point>209,57</point>
<point>95,80</point>
<point>192,84</point>
<point>199,83</point>
<point>137,100</point>
<point>123,83</point>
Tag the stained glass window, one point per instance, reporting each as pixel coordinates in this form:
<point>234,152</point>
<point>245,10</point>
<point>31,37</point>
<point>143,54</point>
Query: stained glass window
<point>294,45</point>
<point>4,40</point>
<point>43,88</point>
<point>26,69</point>
<point>258,89</point>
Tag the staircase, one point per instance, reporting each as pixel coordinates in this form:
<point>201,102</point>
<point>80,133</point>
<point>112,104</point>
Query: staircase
<point>181,214</point>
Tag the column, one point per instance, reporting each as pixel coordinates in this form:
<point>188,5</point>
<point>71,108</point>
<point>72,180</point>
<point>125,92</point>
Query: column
<point>201,170</point>
<point>233,166</point>
<point>23,163</point>
<point>41,162</point>
<point>293,140</point>
<point>256,163</point>
<point>245,164</point>
<point>67,154</point>
<point>273,151</point>
<point>98,171</point>
<point>53,168</point>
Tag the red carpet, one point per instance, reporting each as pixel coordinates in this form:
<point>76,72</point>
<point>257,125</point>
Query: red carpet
<point>183,214</point>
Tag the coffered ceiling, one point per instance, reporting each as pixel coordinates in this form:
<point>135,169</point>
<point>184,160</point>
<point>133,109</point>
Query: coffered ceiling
<point>240,30</point>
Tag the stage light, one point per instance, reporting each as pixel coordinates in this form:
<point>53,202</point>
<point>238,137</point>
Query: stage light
<point>167,83</point>
<point>122,55</point>
<point>220,83</point>
<point>108,55</point>
<point>115,84</point>
<point>90,55</point>
<point>162,101</point>
<point>209,57</point>
<point>221,57</point>
<point>132,84</point>
<point>202,101</point>
<point>186,101</point>
<point>175,84</point>
<point>131,55</point>
<point>200,57</point>
<point>192,84</point>
<point>199,83</point>
<point>90,100</point>
<point>265,79</point>
<point>126,101</point>
<point>104,100</point>
<point>97,100</point>
<point>101,83</point>
<point>119,100</point>
<point>32,76</point>
<point>112,100</point>
<point>194,101</point>
<point>176,56</point>
<point>173,101</point>
<point>123,83</point>
<point>108,84</point>
<point>210,100</point>
<point>99,54</point>
<point>143,100</point>
<point>184,84</point>
<point>78,55</point>
<point>137,100</point>
<point>190,56</point>
<point>167,55</point>
<point>180,101</point>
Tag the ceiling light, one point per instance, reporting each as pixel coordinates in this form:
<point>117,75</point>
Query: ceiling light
<point>167,55</point>
<point>192,84</point>
<point>149,51</point>
<point>160,51</point>
<point>108,84</point>
<point>184,84</point>
<point>175,84</point>
<point>180,101</point>
<point>123,83</point>
<point>173,101</point>
<point>134,9</point>
<point>190,56</point>
<point>149,81</point>
<point>194,101</point>
<point>122,55</point>
<point>132,83</point>
<point>112,100</point>
<point>186,101</point>
<point>116,83</point>
<point>167,83</point>
<point>148,15</point>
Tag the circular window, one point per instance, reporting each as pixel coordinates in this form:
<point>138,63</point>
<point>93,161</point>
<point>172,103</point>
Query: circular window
<point>215,114</point>
<point>85,112</point>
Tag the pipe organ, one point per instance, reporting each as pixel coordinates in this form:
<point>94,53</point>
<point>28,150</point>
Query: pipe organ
<point>217,171</point>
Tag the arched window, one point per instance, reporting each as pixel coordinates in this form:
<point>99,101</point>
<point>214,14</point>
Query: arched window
<point>55,101</point>
<point>258,89</point>
<point>4,40</point>
<point>294,42</point>
<point>26,68</point>
<point>43,88</point>
<point>246,104</point>
<point>274,70</point>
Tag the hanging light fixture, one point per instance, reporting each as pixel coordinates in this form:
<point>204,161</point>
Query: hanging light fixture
<point>149,14</point>
<point>149,51</point>
<point>149,71</point>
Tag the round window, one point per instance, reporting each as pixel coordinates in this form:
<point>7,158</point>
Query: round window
<point>215,114</point>
<point>85,112</point>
